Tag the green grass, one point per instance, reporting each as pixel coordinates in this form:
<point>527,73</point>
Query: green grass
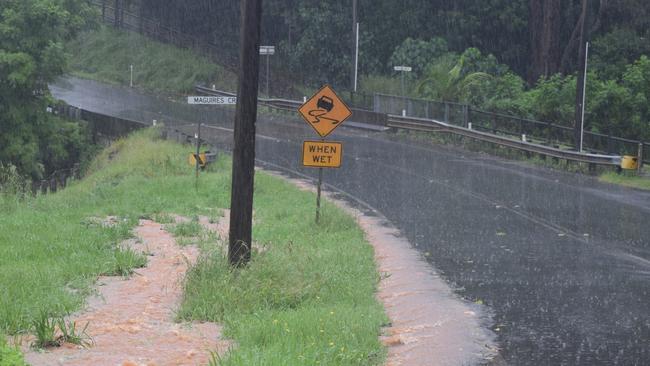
<point>309,297</point>
<point>10,356</point>
<point>628,179</point>
<point>106,54</point>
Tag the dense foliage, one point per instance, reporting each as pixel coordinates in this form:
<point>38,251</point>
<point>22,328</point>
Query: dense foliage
<point>32,33</point>
<point>516,56</point>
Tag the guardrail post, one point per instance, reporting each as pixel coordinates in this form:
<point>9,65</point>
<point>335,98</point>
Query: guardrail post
<point>446,112</point>
<point>639,159</point>
<point>466,115</point>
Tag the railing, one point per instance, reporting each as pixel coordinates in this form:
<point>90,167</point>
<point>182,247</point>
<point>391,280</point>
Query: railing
<point>544,133</point>
<point>454,114</point>
<point>430,125</point>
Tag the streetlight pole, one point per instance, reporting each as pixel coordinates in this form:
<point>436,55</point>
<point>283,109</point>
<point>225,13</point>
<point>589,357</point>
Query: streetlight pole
<point>584,97</point>
<point>356,60</point>
<point>354,44</point>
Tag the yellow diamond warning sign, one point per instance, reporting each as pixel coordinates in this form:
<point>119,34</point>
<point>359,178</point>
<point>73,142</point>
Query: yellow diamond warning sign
<point>325,111</point>
<point>320,154</point>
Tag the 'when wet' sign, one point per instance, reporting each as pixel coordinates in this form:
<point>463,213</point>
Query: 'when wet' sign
<point>322,154</point>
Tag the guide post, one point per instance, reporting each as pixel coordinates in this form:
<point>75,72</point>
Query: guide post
<point>198,153</point>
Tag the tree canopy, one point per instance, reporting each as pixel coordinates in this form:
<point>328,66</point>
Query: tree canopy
<point>32,54</point>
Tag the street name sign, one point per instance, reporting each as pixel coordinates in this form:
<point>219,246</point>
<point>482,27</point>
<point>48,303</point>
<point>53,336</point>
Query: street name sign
<point>267,50</point>
<point>403,68</point>
<point>322,154</point>
<point>212,100</point>
<point>325,111</point>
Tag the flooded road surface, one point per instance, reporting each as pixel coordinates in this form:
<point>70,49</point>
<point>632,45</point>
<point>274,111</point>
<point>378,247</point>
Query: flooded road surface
<point>561,261</point>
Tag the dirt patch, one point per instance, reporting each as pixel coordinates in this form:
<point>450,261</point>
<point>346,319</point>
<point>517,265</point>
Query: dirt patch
<point>132,320</point>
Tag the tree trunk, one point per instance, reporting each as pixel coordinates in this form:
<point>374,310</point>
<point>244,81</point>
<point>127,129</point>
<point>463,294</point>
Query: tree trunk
<point>545,25</point>
<point>116,15</point>
<point>571,50</point>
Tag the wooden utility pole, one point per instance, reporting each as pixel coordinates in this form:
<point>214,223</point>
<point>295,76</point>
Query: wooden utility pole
<point>243,160</point>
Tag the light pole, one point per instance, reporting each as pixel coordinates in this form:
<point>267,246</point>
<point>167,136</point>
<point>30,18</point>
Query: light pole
<point>355,44</point>
<point>131,83</point>
<point>403,70</point>
<point>267,51</point>
<point>584,97</point>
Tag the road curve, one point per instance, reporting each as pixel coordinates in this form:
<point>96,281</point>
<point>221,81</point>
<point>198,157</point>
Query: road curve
<point>560,261</point>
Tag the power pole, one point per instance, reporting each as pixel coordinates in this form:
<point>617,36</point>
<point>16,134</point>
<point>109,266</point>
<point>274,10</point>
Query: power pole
<point>243,160</point>
<point>354,45</point>
<point>580,85</point>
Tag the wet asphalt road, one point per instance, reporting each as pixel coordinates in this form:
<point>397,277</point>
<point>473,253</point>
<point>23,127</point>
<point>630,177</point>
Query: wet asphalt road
<point>561,262</point>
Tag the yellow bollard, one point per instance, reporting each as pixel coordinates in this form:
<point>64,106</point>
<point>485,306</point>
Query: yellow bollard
<point>629,162</point>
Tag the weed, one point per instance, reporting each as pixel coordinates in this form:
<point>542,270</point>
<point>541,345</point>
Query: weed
<point>186,229</point>
<point>126,260</point>
<point>45,330</point>
<point>70,333</point>
<point>55,331</point>
<point>163,218</point>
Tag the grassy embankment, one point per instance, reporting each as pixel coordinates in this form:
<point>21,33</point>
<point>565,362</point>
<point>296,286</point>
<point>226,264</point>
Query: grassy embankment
<point>300,301</point>
<point>106,54</point>
<point>629,179</point>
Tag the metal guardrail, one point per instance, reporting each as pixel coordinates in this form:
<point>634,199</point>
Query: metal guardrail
<point>430,125</point>
<point>551,134</point>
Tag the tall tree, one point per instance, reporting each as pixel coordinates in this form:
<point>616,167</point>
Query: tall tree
<point>545,27</point>
<point>32,33</point>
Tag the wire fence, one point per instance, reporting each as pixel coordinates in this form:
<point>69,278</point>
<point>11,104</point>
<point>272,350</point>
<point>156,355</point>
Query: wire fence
<point>130,21</point>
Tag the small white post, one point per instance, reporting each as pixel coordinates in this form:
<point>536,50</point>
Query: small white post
<point>131,83</point>
<point>523,137</point>
<point>403,112</point>
<point>469,125</point>
<point>154,122</point>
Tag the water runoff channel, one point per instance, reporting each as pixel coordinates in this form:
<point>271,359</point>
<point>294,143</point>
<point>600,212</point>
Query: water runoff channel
<point>557,263</point>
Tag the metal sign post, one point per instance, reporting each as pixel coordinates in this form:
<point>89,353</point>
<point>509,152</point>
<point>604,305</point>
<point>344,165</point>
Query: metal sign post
<point>324,111</point>
<point>403,70</point>
<point>198,155</point>
<point>267,51</point>
<point>318,189</point>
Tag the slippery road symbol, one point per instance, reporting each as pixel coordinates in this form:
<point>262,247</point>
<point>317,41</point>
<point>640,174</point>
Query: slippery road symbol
<point>325,111</point>
<point>325,105</point>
